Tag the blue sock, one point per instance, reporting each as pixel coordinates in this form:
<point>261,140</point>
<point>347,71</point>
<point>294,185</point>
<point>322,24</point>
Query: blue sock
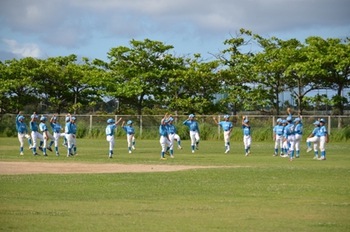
<point>29,142</point>
<point>51,143</point>
<point>21,149</point>
<point>56,149</point>
<point>41,143</point>
<point>316,153</point>
<point>323,153</point>
<point>171,152</point>
<point>309,144</point>
<point>192,147</point>
<point>162,154</point>
<point>178,143</point>
<point>292,154</point>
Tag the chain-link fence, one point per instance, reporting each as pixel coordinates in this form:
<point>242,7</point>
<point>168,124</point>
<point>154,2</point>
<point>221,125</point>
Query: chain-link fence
<point>146,126</point>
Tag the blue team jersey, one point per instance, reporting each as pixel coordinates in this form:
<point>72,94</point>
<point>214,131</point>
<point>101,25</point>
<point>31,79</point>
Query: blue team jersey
<point>129,130</point>
<point>171,128</point>
<point>110,129</point>
<point>163,131</point>
<point>315,131</point>
<point>289,130</point>
<point>192,125</point>
<point>246,130</point>
<point>278,129</point>
<point>56,127</point>
<point>70,128</point>
<point>43,127</point>
<point>33,126</point>
<point>226,126</point>
<point>298,129</point>
<point>21,126</point>
<point>322,131</point>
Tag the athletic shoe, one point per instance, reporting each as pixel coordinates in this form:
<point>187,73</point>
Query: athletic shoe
<point>167,153</point>
<point>129,152</point>
<point>163,158</point>
<point>110,156</point>
<point>64,144</point>
<point>315,157</point>
<point>309,149</point>
<point>35,154</point>
<point>249,151</point>
<point>30,147</point>
<point>246,154</point>
<point>179,148</point>
<point>172,157</point>
<point>45,154</point>
<point>322,158</point>
<point>192,151</point>
<point>21,153</point>
<point>297,156</point>
<point>68,155</point>
<point>197,147</point>
<point>49,148</point>
<point>281,154</point>
<point>133,147</point>
<point>57,154</point>
<point>275,154</point>
<point>75,153</point>
<point>227,151</point>
<point>40,148</point>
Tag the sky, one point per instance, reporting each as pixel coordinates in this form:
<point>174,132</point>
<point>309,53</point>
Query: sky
<point>90,28</point>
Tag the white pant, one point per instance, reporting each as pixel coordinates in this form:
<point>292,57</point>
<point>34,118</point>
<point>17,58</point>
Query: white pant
<point>247,140</point>
<point>36,135</point>
<point>71,140</point>
<point>194,137</point>
<point>46,138</point>
<point>172,138</point>
<point>227,136</point>
<point>111,141</point>
<point>56,137</point>
<point>164,143</point>
<point>291,141</point>
<point>21,137</point>
<point>315,140</point>
<point>130,139</point>
<point>278,141</point>
<point>298,138</point>
<point>323,143</point>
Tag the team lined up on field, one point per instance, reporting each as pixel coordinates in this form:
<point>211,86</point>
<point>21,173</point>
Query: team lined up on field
<point>287,135</point>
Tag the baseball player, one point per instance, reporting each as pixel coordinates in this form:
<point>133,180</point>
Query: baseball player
<point>46,135</point>
<point>22,132</point>
<point>70,131</point>
<point>314,138</point>
<point>298,131</point>
<point>194,131</point>
<point>323,134</point>
<point>112,124</point>
<point>171,133</point>
<point>130,135</point>
<point>164,140</point>
<point>289,137</point>
<point>35,134</point>
<point>247,139</point>
<point>278,137</point>
<point>285,143</point>
<point>56,129</point>
<point>227,127</point>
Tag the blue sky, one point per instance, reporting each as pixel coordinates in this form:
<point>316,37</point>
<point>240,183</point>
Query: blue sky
<point>89,28</point>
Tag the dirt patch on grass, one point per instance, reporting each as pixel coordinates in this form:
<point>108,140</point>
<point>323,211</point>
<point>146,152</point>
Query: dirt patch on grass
<point>12,168</point>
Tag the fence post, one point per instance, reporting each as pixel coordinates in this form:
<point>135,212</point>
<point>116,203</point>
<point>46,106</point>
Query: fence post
<point>219,126</point>
<point>90,124</point>
<point>140,126</point>
<point>329,125</point>
<point>273,124</point>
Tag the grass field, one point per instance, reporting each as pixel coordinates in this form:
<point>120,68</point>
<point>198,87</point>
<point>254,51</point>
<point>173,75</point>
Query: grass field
<point>255,193</point>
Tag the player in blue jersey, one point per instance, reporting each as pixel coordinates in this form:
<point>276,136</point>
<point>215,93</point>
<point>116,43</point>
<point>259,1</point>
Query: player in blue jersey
<point>314,138</point>
<point>298,131</point>
<point>227,127</point>
<point>46,135</point>
<point>278,137</point>
<point>323,134</point>
<point>56,129</point>
<point>70,131</point>
<point>130,135</point>
<point>247,139</point>
<point>171,133</point>
<point>289,137</point>
<point>22,132</point>
<point>35,134</point>
<point>194,131</point>
<point>112,124</point>
<point>164,140</point>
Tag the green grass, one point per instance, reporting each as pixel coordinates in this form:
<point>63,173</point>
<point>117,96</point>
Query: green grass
<point>255,193</point>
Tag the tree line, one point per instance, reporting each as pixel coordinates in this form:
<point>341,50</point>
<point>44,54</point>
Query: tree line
<point>147,76</point>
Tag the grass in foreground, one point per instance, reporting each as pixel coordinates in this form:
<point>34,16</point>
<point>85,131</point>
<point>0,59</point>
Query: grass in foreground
<point>260,193</point>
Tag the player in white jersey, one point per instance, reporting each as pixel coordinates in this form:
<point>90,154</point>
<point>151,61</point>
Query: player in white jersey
<point>35,134</point>
<point>323,134</point>
<point>22,132</point>
<point>56,129</point>
<point>227,127</point>
<point>247,139</point>
<point>130,135</point>
<point>112,124</point>
<point>314,138</point>
<point>192,125</point>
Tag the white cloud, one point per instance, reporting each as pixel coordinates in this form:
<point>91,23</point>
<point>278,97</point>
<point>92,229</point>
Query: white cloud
<point>23,50</point>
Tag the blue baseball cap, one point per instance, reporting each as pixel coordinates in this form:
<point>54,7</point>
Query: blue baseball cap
<point>317,123</point>
<point>191,116</point>
<point>246,121</point>
<point>226,116</point>
<point>322,120</point>
<point>129,122</point>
